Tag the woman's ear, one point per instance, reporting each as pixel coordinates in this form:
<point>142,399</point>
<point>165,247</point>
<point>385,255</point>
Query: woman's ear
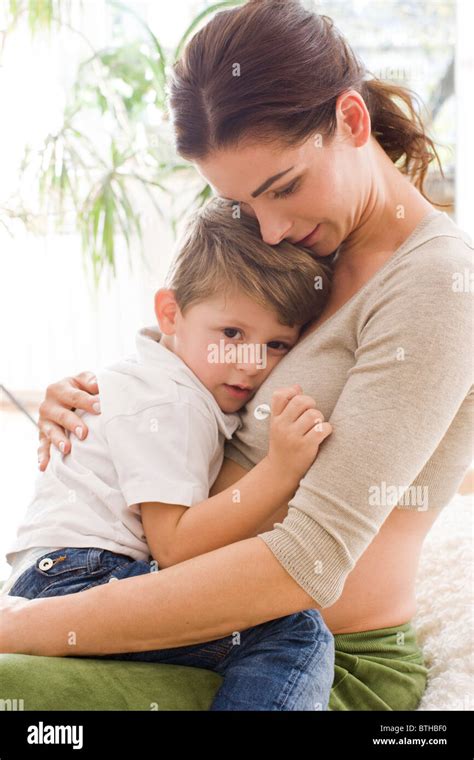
<point>353,117</point>
<point>166,310</point>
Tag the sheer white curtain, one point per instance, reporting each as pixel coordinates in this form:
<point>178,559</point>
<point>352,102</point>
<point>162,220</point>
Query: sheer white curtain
<point>51,322</point>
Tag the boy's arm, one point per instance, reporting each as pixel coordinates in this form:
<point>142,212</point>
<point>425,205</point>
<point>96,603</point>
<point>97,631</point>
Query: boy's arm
<point>230,472</point>
<point>175,533</point>
<point>277,516</point>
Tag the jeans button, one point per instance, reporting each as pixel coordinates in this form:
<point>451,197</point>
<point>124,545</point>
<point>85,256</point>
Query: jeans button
<point>113,578</point>
<point>45,563</point>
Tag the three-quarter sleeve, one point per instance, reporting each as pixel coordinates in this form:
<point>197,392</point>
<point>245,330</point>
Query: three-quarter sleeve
<point>412,371</point>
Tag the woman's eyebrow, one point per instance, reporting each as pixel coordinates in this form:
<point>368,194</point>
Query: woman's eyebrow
<point>265,185</point>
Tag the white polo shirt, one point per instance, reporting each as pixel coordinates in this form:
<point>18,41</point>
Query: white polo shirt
<point>160,437</point>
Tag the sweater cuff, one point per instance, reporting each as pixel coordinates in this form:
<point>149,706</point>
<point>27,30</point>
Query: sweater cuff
<point>322,571</point>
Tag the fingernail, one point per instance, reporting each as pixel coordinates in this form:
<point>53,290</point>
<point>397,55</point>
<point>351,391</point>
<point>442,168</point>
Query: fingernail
<point>79,431</point>
<point>62,446</point>
<point>96,406</point>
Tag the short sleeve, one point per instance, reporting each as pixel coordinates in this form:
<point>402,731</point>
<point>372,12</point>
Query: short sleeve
<point>162,453</point>
<point>413,369</point>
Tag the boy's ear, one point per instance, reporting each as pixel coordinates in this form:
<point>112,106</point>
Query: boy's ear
<point>166,310</point>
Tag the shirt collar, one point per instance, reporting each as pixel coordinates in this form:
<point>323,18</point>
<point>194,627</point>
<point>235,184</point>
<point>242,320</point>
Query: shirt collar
<point>151,351</point>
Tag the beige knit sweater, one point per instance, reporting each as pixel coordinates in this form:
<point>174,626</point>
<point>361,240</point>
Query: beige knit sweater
<point>392,370</point>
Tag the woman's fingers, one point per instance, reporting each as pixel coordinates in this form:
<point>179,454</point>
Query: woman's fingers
<point>52,412</point>
<point>87,381</point>
<point>43,452</point>
<point>72,393</point>
<point>57,413</point>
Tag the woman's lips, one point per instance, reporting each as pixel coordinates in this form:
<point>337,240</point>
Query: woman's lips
<point>309,238</point>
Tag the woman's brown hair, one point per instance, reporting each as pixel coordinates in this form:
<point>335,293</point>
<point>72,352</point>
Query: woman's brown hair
<point>272,69</point>
<point>221,254</point>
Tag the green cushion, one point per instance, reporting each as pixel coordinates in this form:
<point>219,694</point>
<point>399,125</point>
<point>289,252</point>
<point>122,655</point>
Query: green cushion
<point>79,683</point>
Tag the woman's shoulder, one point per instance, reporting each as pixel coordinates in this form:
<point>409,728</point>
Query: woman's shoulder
<point>428,282</point>
<point>438,256</point>
<point>439,244</point>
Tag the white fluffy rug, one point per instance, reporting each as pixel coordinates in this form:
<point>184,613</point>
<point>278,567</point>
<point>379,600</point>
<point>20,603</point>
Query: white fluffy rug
<point>444,620</point>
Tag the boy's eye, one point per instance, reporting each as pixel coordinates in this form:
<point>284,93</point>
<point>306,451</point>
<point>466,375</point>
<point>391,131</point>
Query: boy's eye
<point>288,190</point>
<point>278,345</point>
<point>228,330</point>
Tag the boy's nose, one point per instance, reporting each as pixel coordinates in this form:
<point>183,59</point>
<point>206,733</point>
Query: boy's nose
<point>248,368</point>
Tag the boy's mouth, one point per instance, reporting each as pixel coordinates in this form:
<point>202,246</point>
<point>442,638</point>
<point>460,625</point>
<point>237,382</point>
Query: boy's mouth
<point>238,391</point>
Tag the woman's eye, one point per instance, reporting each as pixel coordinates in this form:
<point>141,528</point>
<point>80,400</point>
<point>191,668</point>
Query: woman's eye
<point>228,330</point>
<point>278,345</point>
<point>287,190</point>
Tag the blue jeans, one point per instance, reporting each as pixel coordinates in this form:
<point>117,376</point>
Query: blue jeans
<point>284,664</point>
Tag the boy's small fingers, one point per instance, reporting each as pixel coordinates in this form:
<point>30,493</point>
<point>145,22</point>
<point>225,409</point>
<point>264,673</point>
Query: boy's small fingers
<point>323,429</point>
<point>282,396</point>
<point>298,406</point>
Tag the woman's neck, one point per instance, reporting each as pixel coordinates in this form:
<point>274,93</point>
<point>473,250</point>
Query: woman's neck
<point>392,210</point>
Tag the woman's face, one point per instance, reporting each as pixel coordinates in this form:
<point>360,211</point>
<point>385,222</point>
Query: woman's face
<point>323,182</point>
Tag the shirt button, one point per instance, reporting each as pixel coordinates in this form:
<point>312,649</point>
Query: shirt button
<point>45,563</point>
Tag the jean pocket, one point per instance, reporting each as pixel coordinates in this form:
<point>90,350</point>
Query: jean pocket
<point>67,571</point>
<point>68,560</point>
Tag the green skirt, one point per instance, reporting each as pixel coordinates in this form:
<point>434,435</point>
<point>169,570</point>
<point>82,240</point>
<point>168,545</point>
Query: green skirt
<point>378,670</point>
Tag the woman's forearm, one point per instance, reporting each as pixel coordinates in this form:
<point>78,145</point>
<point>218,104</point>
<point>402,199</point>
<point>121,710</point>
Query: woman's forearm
<point>170,608</point>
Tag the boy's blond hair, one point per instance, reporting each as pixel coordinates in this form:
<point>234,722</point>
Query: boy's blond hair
<point>221,254</point>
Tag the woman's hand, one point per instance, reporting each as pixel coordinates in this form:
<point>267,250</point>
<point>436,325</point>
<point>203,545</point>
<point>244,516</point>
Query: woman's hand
<point>297,430</point>
<point>56,413</point>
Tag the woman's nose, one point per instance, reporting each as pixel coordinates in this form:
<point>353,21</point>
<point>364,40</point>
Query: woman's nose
<point>273,232</point>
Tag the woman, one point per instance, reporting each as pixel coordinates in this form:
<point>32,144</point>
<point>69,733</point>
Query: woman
<point>276,112</point>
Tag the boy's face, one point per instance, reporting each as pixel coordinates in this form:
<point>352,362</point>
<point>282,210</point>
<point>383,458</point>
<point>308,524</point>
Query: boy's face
<point>227,341</point>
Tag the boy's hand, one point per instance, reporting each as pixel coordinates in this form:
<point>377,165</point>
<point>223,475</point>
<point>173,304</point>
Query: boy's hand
<point>297,429</point>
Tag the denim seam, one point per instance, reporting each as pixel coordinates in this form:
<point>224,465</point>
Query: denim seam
<point>288,691</point>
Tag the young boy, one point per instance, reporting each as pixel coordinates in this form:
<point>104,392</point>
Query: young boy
<point>118,504</point>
